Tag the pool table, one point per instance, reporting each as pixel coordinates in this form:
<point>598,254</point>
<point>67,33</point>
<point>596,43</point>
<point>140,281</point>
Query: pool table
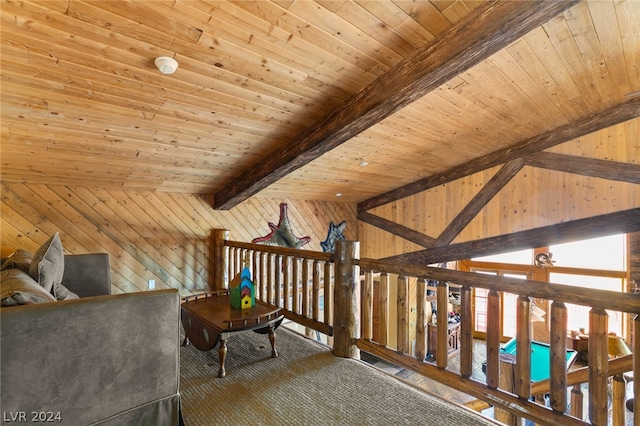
<point>540,365</point>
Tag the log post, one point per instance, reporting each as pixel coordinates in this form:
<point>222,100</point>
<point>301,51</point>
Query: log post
<point>346,294</point>
<point>598,366</point>
<point>466,332</point>
<point>421,320</point>
<point>220,259</point>
<point>558,346</point>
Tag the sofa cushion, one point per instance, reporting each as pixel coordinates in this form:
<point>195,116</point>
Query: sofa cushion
<point>47,266</point>
<point>18,288</point>
<point>20,259</point>
<point>60,292</point>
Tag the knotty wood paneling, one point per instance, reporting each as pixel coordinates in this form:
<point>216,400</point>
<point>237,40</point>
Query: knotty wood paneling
<point>534,198</point>
<point>150,235</point>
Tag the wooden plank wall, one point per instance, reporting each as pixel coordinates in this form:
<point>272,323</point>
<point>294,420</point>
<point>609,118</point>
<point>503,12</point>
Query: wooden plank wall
<point>534,198</point>
<point>150,235</point>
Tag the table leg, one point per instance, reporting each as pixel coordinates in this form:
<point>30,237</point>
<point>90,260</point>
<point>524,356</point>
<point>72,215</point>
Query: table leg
<point>222,351</point>
<point>272,339</point>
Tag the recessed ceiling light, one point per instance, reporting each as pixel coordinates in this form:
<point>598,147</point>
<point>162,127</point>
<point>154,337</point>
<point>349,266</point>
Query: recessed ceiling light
<point>363,164</point>
<point>339,194</point>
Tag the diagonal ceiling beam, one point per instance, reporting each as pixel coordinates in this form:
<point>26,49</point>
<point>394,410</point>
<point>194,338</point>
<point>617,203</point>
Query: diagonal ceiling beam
<point>488,29</point>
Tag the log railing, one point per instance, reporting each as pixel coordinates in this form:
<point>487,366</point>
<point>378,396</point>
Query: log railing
<point>348,316</point>
<point>300,282</point>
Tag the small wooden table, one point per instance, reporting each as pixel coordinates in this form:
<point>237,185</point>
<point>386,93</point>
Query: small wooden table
<point>209,318</point>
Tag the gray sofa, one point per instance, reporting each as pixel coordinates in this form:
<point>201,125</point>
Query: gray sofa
<point>99,359</point>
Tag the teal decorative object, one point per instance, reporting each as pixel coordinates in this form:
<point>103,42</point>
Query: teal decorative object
<point>242,290</point>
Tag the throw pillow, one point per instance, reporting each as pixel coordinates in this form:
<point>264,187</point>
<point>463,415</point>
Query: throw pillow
<point>47,266</point>
<point>18,288</point>
<point>20,259</point>
<point>60,292</point>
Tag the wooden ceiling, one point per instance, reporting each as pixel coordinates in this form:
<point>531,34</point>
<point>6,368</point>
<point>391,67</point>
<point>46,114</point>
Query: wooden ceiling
<point>300,99</point>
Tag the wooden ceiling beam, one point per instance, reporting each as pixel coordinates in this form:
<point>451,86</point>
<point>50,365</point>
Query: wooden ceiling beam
<point>497,182</point>
<point>604,169</point>
<point>625,221</point>
<point>484,32</point>
<point>397,229</point>
<point>592,123</point>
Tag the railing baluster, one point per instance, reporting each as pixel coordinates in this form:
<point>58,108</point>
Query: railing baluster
<point>286,282</point>
<point>577,401</point>
<point>316,290</point>
<point>383,309</point>
<point>421,320</point>
<point>618,400</point>
<point>466,332</point>
<point>493,339</point>
<point>523,348</point>
<point>442,326</point>
<point>636,370</point>
<point>277,269</point>
<point>558,358</point>
<point>296,285</point>
<point>598,366</point>
<point>328,294</point>
<point>305,287</point>
<point>270,284</point>
<point>402,323</point>
<point>367,306</point>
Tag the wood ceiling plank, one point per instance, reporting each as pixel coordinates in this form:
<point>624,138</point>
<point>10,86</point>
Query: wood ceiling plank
<point>398,20</point>
<point>614,115</point>
<point>627,13</point>
<point>483,34</point>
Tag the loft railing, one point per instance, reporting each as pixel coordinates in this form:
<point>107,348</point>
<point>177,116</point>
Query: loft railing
<point>349,316</point>
<point>300,282</point>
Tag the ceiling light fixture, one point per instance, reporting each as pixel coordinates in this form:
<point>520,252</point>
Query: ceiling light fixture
<point>166,65</point>
<point>363,164</point>
<point>339,194</point>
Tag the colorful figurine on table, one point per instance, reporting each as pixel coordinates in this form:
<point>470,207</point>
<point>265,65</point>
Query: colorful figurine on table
<point>242,290</point>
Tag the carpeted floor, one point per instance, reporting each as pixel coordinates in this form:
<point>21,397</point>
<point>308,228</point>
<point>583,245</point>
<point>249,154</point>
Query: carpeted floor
<point>305,385</point>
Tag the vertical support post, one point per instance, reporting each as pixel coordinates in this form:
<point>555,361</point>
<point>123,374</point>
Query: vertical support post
<point>346,304</point>
<point>598,366</point>
<point>220,259</point>
<point>558,359</point>
<point>466,332</point>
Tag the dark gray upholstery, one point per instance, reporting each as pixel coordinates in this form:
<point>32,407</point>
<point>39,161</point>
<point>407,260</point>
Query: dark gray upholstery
<point>87,274</point>
<point>108,360</point>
